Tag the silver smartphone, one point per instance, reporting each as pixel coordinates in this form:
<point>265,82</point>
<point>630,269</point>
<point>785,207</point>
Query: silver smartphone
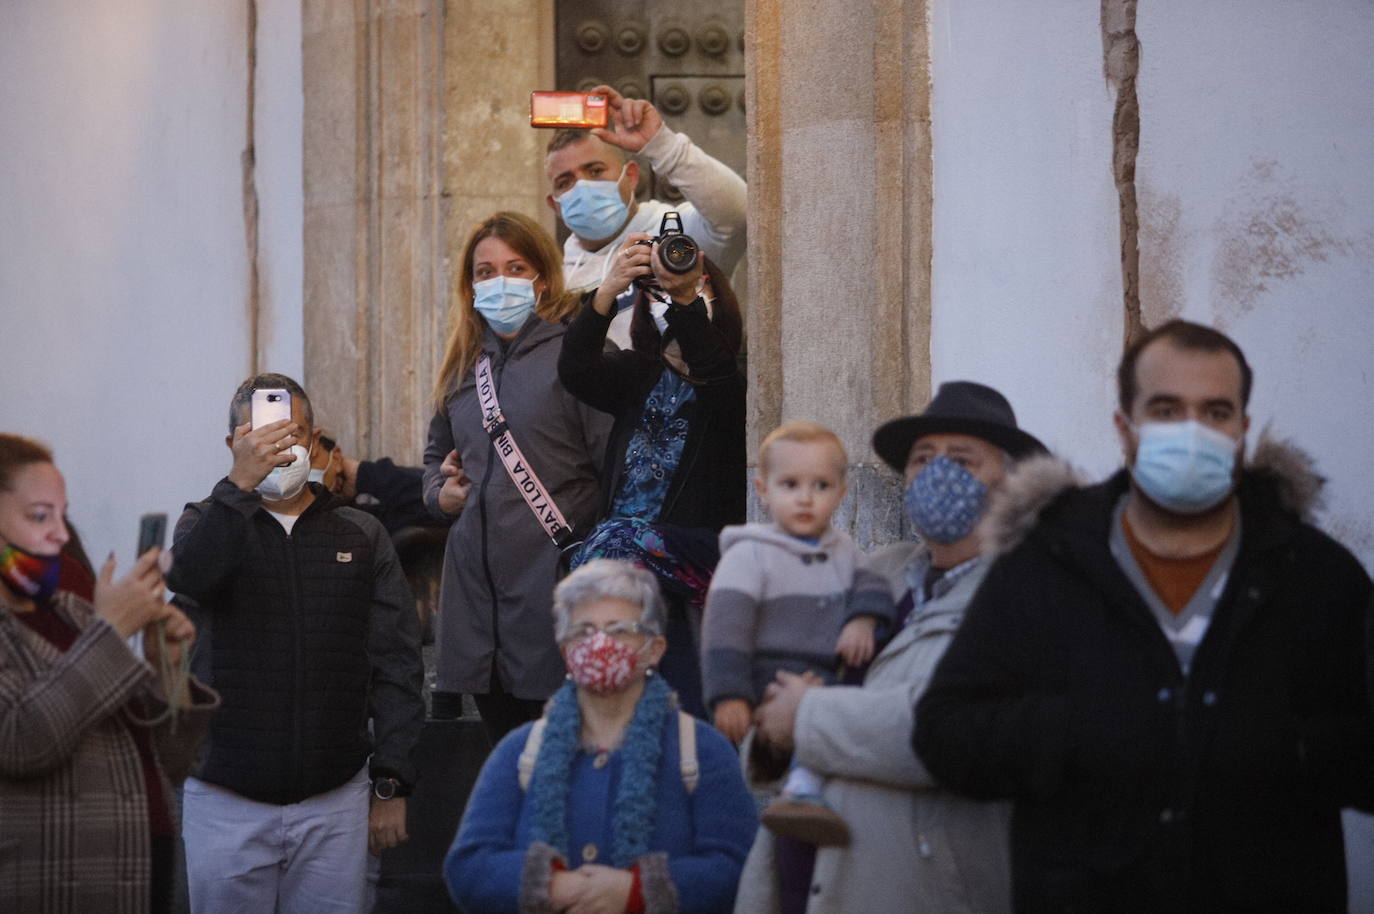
<point>270,404</point>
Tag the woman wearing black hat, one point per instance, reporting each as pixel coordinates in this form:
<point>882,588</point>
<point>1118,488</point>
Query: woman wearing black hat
<point>914,846</point>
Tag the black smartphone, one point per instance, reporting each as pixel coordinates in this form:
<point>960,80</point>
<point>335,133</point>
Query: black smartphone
<point>152,531</point>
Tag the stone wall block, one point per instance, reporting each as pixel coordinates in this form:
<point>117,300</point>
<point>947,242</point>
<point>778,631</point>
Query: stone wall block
<point>374,265</point>
<point>840,227</point>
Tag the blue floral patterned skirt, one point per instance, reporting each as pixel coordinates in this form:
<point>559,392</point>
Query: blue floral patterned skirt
<point>682,558</point>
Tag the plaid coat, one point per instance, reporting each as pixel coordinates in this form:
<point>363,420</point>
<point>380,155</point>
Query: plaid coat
<point>74,832</point>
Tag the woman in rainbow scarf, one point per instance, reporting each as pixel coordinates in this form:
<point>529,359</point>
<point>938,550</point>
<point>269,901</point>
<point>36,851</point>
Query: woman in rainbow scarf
<point>89,733</point>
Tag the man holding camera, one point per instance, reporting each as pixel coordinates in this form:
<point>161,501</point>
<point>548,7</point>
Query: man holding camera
<point>309,633</point>
<point>592,183</point>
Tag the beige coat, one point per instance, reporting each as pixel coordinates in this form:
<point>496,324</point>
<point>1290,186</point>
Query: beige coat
<point>916,848</point>
<point>73,809</point>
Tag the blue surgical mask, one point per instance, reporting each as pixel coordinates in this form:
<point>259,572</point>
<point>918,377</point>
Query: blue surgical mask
<point>1184,467</point>
<point>945,500</point>
<point>505,301</point>
<point>594,210</point>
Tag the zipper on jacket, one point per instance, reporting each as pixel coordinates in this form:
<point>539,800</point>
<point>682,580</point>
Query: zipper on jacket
<point>492,457</point>
<point>298,675</point>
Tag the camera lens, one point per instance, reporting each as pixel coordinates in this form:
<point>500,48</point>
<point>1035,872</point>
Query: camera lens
<point>678,253</point>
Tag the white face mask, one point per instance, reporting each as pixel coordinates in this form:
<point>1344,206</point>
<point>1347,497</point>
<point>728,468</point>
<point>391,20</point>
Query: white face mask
<point>285,483</point>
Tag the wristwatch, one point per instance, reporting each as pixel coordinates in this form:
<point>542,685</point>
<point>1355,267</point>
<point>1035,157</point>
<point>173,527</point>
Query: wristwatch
<point>386,788</point>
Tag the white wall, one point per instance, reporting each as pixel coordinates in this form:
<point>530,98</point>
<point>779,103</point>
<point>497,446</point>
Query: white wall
<point>1026,283</point>
<point>281,191</point>
<point>123,270</point>
<point>1257,165</point>
<point>1256,192</point>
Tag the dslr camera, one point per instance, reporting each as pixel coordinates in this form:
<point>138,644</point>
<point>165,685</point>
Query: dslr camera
<point>677,251</point>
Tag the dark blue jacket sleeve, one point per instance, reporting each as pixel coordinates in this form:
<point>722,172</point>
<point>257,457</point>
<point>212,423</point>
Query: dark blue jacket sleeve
<point>393,647</point>
<point>603,380</point>
<point>399,489</point>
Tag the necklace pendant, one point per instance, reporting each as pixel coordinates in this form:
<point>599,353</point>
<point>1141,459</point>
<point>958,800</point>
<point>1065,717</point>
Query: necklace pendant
<point>602,759</point>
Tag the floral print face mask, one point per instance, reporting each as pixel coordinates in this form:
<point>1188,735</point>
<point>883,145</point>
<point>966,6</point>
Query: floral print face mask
<point>601,664</point>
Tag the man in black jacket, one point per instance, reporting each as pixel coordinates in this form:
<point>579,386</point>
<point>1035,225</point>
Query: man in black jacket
<point>310,634</point>
<point>1165,671</point>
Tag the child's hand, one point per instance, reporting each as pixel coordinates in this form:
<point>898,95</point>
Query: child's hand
<point>856,640</point>
<point>733,718</point>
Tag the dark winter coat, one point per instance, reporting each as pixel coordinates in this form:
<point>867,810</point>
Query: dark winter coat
<point>306,637</point>
<point>496,603</point>
<point>708,490</point>
<point>394,495</point>
<point>1135,788</point>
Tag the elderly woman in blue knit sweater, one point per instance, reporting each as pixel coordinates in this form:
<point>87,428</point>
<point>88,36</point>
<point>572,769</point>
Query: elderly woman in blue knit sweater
<point>614,801</point>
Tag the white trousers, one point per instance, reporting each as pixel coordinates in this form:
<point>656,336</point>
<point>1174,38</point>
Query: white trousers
<point>246,857</point>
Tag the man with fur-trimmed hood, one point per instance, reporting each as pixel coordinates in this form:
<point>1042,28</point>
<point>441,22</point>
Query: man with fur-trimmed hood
<point>1164,671</point>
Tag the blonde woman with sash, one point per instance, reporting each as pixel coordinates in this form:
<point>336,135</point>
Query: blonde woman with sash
<point>516,460</point>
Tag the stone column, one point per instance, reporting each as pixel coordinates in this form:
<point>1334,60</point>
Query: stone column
<point>496,53</point>
<point>416,126</point>
<point>374,277</point>
<point>839,229</point>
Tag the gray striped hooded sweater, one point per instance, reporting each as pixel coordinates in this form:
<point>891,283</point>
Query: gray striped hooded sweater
<point>778,603</point>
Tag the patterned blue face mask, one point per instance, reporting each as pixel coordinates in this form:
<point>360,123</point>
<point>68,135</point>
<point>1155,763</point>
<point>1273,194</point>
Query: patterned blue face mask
<point>945,500</point>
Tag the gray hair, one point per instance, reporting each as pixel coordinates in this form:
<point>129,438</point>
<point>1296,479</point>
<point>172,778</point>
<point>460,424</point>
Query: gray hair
<point>243,397</point>
<point>602,579</point>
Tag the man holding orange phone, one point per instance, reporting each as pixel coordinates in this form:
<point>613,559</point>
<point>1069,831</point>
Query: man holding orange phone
<point>592,180</point>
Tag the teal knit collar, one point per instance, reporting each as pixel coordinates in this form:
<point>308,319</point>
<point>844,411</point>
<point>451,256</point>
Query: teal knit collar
<point>636,797</point>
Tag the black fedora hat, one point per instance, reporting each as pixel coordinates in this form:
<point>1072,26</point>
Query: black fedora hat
<point>963,407</point>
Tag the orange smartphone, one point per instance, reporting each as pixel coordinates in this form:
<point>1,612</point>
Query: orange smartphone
<point>568,109</point>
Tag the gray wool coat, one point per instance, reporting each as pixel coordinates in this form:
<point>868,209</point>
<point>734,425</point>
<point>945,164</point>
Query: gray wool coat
<point>496,598</point>
<point>916,847</point>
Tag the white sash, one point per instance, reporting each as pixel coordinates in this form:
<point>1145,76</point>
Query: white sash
<point>517,467</point>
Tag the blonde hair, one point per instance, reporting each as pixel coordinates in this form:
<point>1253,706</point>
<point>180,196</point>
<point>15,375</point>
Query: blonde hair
<point>528,239</point>
<point>801,432</point>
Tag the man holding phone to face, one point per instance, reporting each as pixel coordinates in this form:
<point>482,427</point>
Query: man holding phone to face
<point>592,182</point>
<point>309,631</point>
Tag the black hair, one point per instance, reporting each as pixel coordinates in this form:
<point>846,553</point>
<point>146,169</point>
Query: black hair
<point>243,397</point>
<point>564,137</point>
<point>1184,335</point>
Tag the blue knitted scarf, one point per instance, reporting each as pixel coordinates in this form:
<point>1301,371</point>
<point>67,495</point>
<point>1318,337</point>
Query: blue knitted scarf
<point>636,798</point>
